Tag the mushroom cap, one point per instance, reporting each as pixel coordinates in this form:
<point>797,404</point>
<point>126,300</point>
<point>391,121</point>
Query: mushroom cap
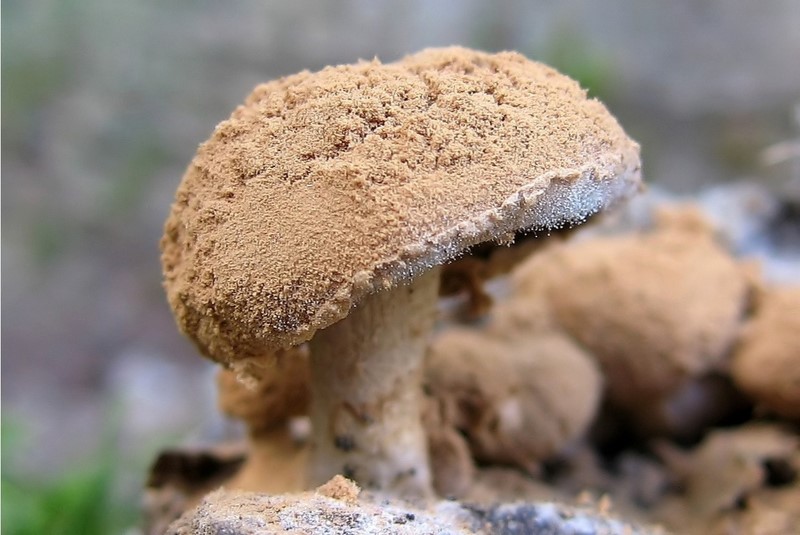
<point>654,308</point>
<point>519,400</point>
<point>766,363</point>
<point>324,187</point>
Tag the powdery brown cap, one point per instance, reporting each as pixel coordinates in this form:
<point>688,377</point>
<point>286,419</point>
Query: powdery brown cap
<point>325,187</point>
<point>766,364</point>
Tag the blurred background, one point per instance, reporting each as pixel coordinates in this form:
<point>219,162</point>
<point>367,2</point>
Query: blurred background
<point>104,103</point>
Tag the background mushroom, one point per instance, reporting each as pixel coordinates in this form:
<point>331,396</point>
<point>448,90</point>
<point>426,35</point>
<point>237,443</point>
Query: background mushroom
<point>519,400</point>
<point>739,480</point>
<point>766,363</point>
<point>656,309</point>
<point>276,459</point>
<point>326,202</point>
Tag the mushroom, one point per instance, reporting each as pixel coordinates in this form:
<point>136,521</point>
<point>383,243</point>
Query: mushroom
<point>452,465</point>
<point>519,399</point>
<point>656,309</point>
<point>321,210</point>
<point>766,363</point>
<point>266,404</point>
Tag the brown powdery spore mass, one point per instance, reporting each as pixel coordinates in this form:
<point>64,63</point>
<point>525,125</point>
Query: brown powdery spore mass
<point>324,187</point>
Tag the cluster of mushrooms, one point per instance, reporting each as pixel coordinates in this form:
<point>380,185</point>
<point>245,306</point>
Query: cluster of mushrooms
<point>372,251</point>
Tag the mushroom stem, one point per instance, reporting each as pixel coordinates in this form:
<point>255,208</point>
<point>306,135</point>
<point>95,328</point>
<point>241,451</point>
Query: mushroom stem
<point>273,465</point>
<point>366,373</point>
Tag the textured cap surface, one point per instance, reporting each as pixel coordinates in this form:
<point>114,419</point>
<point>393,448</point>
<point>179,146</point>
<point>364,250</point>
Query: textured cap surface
<point>324,187</point>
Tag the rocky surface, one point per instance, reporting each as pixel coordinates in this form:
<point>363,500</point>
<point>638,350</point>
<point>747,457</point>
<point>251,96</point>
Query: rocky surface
<point>338,507</point>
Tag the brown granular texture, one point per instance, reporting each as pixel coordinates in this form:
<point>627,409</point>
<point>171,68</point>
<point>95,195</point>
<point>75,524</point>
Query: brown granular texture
<point>654,309</point>
<point>324,187</point>
<point>340,488</point>
<point>766,364</point>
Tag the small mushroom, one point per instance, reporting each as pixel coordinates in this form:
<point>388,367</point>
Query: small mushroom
<point>766,363</point>
<point>321,210</point>
<point>275,458</point>
<point>519,399</point>
<point>452,465</point>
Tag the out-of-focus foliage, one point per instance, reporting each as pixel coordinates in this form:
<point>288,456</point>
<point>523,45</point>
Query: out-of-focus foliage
<point>569,52</point>
<point>81,500</point>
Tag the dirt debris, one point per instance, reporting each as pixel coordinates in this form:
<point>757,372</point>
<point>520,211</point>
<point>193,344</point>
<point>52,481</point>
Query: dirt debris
<point>734,480</point>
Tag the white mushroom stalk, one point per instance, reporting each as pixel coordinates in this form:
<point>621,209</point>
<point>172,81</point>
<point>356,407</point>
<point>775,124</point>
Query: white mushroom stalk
<point>366,391</point>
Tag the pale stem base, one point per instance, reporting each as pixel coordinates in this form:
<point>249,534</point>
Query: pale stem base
<point>366,373</point>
